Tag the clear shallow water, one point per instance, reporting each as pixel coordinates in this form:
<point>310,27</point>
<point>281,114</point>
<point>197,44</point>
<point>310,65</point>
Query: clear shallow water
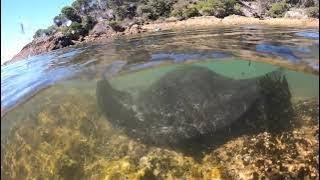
<point>302,85</point>
<point>66,107</point>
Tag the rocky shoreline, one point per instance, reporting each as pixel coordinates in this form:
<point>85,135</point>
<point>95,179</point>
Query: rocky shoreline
<point>101,32</point>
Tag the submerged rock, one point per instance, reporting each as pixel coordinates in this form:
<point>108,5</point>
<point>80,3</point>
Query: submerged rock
<point>192,102</point>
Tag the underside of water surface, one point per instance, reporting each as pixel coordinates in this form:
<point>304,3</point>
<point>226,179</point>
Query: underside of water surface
<point>301,84</point>
<point>60,133</point>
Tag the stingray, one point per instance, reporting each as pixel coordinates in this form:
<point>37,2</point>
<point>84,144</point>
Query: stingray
<point>186,103</point>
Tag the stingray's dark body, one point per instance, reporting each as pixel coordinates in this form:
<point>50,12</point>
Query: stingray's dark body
<point>189,102</point>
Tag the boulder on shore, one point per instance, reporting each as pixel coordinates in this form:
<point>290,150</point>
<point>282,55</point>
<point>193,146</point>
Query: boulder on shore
<point>296,14</point>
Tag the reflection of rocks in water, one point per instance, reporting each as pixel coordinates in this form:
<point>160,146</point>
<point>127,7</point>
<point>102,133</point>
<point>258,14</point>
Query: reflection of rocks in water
<point>313,35</point>
<point>132,51</point>
<point>282,51</point>
<point>192,105</point>
<point>314,48</point>
<point>293,54</point>
<point>179,57</point>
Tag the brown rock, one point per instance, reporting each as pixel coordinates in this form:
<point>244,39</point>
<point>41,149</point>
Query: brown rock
<point>296,14</point>
<point>41,45</point>
<point>61,42</point>
<point>134,29</point>
<point>172,19</point>
<point>100,29</point>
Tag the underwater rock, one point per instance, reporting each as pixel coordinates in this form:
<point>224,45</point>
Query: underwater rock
<point>191,102</point>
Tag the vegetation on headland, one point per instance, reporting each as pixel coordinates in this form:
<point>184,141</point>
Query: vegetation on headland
<point>97,20</point>
<point>77,20</point>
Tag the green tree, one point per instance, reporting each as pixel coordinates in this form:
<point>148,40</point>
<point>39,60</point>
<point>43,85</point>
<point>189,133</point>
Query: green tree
<point>313,12</point>
<point>120,13</point>
<point>183,9</point>
<point>147,12</point>
<point>82,6</point>
<point>75,30</point>
<point>153,9</point>
<point>114,3</point>
<point>45,32</point>
<point>218,8</point>
<point>278,9</point>
<point>71,14</point>
<point>88,22</point>
<point>58,20</point>
<point>78,4</point>
<point>161,7</point>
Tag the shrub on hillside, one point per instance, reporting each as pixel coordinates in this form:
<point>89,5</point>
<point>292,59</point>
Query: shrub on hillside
<point>218,8</point>
<point>131,10</point>
<point>80,5</point>
<point>71,14</point>
<point>162,7</point>
<point>58,20</point>
<point>313,12</point>
<point>88,22</point>
<point>112,4</point>
<point>153,9</point>
<point>120,13</point>
<point>191,11</point>
<point>183,10</point>
<point>74,31</point>
<point>84,7</point>
<point>179,7</point>
<point>45,32</point>
<point>115,25</point>
<point>147,12</point>
<point>237,9</point>
<point>278,9</point>
<point>39,33</point>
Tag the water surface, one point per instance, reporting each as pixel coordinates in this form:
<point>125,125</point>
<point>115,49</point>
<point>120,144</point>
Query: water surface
<point>274,45</point>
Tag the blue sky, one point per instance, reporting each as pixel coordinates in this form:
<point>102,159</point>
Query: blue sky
<point>33,14</point>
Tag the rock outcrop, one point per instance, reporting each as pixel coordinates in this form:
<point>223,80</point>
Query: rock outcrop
<point>296,14</point>
<point>44,44</point>
<point>101,28</point>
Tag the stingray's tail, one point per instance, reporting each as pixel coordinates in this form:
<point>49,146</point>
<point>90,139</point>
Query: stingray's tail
<point>275,90</point>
